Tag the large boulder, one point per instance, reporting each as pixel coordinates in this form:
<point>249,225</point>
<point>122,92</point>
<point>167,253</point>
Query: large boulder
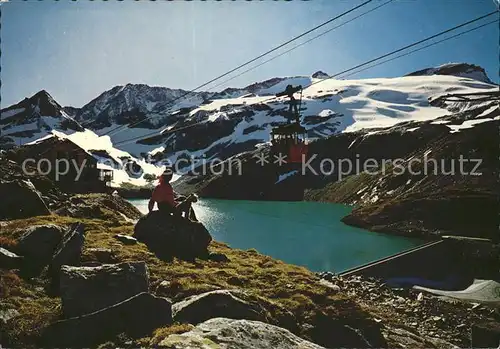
<point>485,335</point>
<point>85,290</point>
<point>173,236</point>
<point>69,250</point>
<point>9,260</point>
<point>20,200</point>
<point>38,243</point>
<point>230,304</point>
<point>225,333</point>
<point>136,317</point>
<point>341,333</point>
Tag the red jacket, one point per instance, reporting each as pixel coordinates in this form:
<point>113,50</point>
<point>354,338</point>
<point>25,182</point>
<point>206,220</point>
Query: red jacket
<point>164,193</point>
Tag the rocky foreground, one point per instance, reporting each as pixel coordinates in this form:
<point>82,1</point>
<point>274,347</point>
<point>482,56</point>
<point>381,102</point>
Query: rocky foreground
<point>76,271</point>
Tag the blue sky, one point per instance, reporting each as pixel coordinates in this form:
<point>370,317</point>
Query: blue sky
<point>76,51</point>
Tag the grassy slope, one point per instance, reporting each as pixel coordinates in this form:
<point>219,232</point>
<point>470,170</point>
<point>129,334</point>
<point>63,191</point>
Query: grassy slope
<point>294,288</point>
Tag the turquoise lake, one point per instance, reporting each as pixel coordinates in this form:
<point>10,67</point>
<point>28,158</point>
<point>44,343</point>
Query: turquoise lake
<point>309,234</point>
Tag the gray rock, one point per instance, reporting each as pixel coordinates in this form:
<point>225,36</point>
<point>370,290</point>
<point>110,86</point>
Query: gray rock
<point>20,200</point>
<point>136,317</point>
<point>38,243</point>
<point>7,314</point>
<point>220,303</point>
<point>88,289</point>
<point>127,240</point>
<point>232,304</point>
<point>10,260</point>
<point>224,333</point>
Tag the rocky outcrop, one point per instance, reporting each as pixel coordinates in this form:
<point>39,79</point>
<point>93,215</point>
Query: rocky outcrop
<point>230,304</point>
<point>419,320</point>
<point>242,334</point>
<point>11,170</point>
<point>20,200</point>
<point>169,236</point>
<point>88,289</point>
<point>435,200</point>
<point>135,317</point>
<point>98,206</point>
<point>456,69</point>
<point>38,243</point>
<point>9,260</point>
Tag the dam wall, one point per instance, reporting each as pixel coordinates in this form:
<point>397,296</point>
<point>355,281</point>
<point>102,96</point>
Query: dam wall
<point>452,257</point>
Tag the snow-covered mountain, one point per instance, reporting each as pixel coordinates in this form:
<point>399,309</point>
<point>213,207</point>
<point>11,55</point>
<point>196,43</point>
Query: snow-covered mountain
<point>463,70</point>
<point>33,118</point>
<point>222,124</point>
<point>228,126</point>
<point>131,103</point>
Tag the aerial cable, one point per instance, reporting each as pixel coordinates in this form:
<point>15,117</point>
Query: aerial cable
<point>420,48</point>
<point>300,45</point>
<point>342,72</point>
<point>248,62</point>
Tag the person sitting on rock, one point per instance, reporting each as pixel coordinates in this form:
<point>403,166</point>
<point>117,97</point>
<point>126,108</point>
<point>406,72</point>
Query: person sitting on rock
<point>168,201</point>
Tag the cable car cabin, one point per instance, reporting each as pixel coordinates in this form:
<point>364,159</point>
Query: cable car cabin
<point>290,140</point>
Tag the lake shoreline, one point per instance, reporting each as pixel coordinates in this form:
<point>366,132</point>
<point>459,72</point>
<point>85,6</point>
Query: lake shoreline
<point>285,228</point>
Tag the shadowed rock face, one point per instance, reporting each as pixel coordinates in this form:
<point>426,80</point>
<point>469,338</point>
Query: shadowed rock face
<point>20,200</point>
<point>170,236</point>
<point>88,289</point>
<point>244,334</point>
<point>202,307</point>
<point>232,304</point>
<point>136,316</point>
<point>454,204</point>
<point>38,243</point>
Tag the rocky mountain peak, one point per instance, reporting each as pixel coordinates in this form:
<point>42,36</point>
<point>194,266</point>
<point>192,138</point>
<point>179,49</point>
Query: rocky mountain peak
<point>320,75</point>
<point>465,70</point>
<point>41,103</point>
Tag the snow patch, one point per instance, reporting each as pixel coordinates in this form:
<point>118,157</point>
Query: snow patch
<point>285,176</point>
<point>467,124</point>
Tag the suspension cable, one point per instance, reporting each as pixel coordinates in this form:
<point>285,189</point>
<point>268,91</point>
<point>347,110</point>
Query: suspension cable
<point>344,71</point>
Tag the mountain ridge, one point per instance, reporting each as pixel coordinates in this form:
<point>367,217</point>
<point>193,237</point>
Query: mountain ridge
<point>139,118</point>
